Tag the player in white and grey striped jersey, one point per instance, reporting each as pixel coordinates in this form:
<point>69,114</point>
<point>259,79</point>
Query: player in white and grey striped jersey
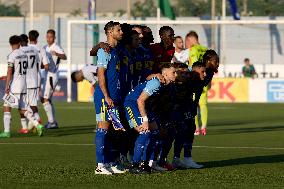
<point>54,54</point>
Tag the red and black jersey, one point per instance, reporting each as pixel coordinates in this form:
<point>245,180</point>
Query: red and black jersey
<point>161,55</point>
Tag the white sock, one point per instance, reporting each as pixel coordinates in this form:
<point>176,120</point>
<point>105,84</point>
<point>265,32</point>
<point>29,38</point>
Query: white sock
<point>203,127</point>
<point>37,116</point>
<point>24,123</point>
<point>53,111</point>
<point>101,165</point>
<point>29,115</point>
<point>151,162</point>
<point>48,109</point>
<point>7,121</point>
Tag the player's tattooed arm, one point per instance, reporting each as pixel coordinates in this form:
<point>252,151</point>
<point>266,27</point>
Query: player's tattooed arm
<point>141,106</point>
<point>102,84</point>
<point>9,79</point>
<point>103,45</point>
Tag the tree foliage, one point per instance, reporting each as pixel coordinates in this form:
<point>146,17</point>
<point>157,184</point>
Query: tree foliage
<point>10,10</point>
<point>255,7</point>
<point>143,9</point>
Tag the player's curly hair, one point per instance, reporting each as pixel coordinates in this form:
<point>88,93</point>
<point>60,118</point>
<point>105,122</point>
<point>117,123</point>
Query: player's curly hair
<point>209,54</point>
<point>164,29</point>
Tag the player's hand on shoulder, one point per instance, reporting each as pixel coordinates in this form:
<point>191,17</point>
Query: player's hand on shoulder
<point>160,78</point>
<point>105,46</point>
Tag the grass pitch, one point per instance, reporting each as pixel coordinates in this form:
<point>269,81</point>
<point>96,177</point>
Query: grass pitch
<point>244,148</point>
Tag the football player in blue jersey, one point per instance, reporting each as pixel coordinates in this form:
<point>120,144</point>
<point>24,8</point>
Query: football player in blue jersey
<point>142,120</point>
<point>107,94</point>
<point>146,53</point>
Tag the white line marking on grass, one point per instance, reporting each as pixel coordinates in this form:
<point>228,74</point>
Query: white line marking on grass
<point>240,147</point>
<point>216,147</point>
<point>48,143</point>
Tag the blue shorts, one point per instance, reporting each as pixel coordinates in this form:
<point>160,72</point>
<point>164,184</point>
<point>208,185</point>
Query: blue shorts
<point>133,115</point>
<point>101,109</point>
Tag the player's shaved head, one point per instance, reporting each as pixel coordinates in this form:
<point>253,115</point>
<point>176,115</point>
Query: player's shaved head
<point>169,72</point>
<point>33,35</point>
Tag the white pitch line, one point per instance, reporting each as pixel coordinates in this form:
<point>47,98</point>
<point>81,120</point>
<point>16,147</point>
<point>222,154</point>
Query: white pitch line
<point>240,147</point>
<point>58,144</point>
<point>216,147</point>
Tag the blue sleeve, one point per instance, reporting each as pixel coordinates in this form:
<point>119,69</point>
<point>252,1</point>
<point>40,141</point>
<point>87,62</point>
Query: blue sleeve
<point>152,86</point>
<point>103,58</point>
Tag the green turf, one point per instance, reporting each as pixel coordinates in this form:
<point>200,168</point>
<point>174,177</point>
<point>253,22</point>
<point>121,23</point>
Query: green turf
<point>72,166</point>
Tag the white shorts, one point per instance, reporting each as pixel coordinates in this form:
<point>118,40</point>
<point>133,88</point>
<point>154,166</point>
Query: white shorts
<point>32,96</point>
<point>21,100</point>
<point>49,85</point>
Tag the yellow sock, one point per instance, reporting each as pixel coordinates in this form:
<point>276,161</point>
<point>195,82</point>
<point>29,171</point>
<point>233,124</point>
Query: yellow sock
<point>204,115</point>
<point>197,121</point>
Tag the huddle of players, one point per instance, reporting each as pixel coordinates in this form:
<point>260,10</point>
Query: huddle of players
<point>23,81</point>
<point>156,100</point>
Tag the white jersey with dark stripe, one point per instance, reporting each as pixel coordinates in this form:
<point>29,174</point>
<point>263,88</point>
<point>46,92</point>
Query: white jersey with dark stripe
<point>53,60</point>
